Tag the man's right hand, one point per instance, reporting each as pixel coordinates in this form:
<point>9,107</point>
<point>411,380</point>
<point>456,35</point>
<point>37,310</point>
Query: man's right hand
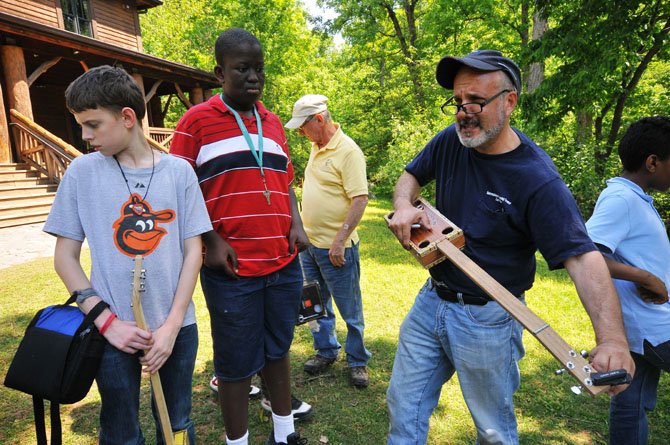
<point>404,216</point>
<point>127,337</point>
<point>219,255</point>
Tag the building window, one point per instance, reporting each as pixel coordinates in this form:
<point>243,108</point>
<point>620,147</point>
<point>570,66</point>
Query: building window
<point>77,16</point>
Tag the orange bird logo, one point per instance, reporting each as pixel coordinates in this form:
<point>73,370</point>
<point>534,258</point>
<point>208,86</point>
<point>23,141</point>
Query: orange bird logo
<point>136,232</point>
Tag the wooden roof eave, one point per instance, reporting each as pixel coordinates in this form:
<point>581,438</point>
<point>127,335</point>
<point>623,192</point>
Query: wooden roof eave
<point>156,67</point>
<point>146,4</point>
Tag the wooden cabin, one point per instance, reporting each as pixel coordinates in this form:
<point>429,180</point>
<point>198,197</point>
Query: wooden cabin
<point>44,45</point>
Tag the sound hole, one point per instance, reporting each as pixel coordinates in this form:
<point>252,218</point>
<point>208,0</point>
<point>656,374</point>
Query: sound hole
<point>424,244</point>
<point>447,230</point>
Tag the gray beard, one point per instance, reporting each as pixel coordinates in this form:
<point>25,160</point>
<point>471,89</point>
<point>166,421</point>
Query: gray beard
<point>485,136</point>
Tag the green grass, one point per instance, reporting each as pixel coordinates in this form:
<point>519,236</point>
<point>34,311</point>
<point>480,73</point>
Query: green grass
<point>547,411</point>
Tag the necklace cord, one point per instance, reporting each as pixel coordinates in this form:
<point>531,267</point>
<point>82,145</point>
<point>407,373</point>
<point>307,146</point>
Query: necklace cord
<point>153,166</point>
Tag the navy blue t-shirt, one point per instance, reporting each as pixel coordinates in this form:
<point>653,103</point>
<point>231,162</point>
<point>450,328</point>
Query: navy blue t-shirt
<point>508,205</point>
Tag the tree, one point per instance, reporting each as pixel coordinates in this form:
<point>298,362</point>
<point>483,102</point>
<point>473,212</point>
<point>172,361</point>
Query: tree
<point>389,28</point>
<point>600,51</point>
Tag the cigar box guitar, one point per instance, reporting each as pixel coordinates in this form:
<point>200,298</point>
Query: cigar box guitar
<point>444,242</point>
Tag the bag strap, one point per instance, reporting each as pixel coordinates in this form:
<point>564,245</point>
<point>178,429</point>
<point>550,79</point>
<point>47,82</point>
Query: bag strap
<point>38,413</point>
<point>56,427</point>
<point>93,313</point>
<point>70,300</point>
<point>40,428</point>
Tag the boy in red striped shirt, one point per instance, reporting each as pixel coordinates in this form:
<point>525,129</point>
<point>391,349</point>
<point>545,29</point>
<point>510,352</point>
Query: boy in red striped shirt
<point>251,277</point>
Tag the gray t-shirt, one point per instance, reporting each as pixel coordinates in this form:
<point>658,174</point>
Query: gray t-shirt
<point>93,202</point>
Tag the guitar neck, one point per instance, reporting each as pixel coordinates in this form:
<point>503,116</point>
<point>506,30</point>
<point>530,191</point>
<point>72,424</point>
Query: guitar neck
<point>574,363</point>
<point>136,296</point>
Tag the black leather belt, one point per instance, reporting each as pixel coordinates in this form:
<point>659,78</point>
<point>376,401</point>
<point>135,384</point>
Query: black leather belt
<point>447,294</point>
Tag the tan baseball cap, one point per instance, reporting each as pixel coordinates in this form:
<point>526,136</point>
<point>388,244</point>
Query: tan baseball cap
<point>308,105</point>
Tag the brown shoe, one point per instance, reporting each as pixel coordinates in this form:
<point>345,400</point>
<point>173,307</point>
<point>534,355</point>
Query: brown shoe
<point>317,364</point>
<point>359,377</point>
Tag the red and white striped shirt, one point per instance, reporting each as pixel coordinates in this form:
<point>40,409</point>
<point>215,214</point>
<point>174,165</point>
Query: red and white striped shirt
<point>208,137</point>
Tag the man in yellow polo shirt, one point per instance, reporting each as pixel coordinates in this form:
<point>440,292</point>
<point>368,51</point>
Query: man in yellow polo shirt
<point>334,196</point>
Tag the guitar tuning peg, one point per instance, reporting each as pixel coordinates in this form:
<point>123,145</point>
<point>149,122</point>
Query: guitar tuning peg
<point>576,389</point>
<point>584,353</point>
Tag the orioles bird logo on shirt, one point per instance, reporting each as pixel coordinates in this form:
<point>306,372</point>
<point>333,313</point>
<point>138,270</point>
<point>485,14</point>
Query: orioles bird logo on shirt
<point>136,232</point>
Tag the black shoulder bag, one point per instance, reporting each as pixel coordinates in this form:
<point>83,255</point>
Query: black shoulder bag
<point>57,360</point>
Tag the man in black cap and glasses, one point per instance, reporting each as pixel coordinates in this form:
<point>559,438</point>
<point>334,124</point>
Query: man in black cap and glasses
<point>506,194</point>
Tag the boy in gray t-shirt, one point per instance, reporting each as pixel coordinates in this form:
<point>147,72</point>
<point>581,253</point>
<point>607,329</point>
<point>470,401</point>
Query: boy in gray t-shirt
<point>127,199</point>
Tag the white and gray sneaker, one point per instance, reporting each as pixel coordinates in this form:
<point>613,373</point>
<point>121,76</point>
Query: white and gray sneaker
<point>300,410</point>
<point>254,391</point>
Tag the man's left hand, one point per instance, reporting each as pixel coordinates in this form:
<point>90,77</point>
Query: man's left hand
<point>336,254</point>
<point>608,356</point>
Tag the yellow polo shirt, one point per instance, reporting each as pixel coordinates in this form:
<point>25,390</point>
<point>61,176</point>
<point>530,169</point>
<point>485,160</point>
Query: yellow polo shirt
<point>334,175</point>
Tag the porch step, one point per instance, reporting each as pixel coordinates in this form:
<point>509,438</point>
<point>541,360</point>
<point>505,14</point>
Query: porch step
<point>25,196</point>
<point>22,219</point>
<point>9,167</point>
<point>10,183</point>
<point>12,175</point>
<point>27,190</point>
<point>41,200</point>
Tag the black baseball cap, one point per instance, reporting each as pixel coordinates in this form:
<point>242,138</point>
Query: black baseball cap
<point>483,60</point>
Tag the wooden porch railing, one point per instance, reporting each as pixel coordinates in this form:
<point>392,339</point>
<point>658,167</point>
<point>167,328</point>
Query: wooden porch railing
<point>39,148</point>
<point>51,155</point>
<point>162,135</point>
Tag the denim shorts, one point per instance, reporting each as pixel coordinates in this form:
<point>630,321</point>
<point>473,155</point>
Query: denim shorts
<point>252,318</point>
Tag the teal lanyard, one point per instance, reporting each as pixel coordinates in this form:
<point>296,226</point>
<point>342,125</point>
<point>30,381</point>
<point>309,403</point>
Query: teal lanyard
<point>258,154</point>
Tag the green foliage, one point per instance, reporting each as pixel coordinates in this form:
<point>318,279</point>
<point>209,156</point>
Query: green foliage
<point>598,52</point>
<point>576,165</point>
<point>409,137</point>
<point>606,62</point>
<point>185,31</point>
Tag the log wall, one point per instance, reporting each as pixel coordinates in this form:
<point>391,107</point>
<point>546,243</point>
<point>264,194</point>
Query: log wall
<point>114,21</point>
<point>42,11</point>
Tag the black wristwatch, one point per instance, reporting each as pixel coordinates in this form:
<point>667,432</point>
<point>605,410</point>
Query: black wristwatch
<point>82,294</point>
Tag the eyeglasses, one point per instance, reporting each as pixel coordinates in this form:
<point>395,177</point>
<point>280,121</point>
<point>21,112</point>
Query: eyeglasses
<point>451,109</point>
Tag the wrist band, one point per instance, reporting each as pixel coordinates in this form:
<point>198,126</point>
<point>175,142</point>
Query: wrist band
<point>83,294</point>
<point>107,323</point>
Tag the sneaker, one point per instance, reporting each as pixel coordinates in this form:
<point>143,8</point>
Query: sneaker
<point>254,391</point>
<point>292,439</point>
<point>300,410</point>
<point>359,377</point>
<point>317,364</point>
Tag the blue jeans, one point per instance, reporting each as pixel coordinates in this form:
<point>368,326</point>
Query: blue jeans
<point>118,382</point>
<point>437,338</point>
<point>341,284</point>
<point>628,410</point>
